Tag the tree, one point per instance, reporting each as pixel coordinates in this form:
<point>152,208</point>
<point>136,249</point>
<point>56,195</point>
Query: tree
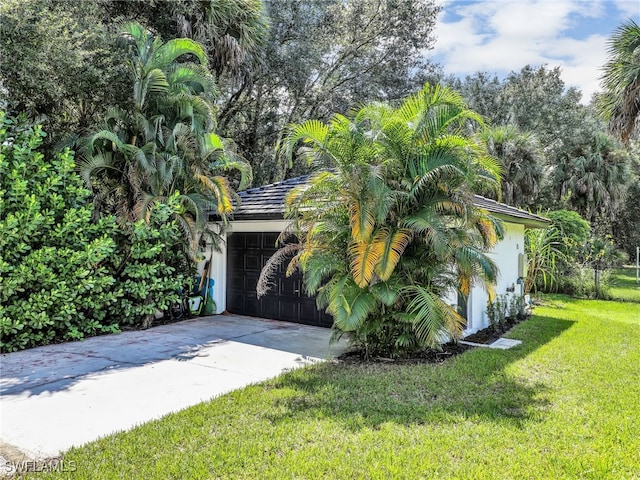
<point>341,55</point>
<point>391,228</point>
<point>233,33</point>
<point>62,61</point>
<point>63,274</point>
<point>519,156</point>
<point>58,63</point>
<point>626,231</point>
<point>164,143</point>
<point>595,178</point>
<point>620,102</point>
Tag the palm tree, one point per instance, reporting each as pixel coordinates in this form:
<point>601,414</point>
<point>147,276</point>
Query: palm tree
<point>620,102</point>
<point>519,157</point>
<point>596,178</point>
<point>234,33</point>
<point>389,227</point>
<point>165,142</point>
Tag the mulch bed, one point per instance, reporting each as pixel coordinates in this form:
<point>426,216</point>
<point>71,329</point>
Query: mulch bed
<point>429,356</point>
<point>449,350</point>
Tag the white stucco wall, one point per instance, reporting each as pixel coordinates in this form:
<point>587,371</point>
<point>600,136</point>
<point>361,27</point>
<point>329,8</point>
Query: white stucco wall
<point>505,254</point>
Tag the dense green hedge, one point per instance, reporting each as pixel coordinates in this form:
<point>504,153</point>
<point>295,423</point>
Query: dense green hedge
<point>64,275</point>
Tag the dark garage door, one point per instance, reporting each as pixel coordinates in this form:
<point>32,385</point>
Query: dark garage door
<point>246,255</point>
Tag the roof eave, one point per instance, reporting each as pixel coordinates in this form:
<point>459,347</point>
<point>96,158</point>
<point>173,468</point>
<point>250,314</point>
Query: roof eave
<point>527,222</point>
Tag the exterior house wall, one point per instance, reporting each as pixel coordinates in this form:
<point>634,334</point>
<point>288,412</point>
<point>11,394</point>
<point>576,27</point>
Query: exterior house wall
<point>505,254</point>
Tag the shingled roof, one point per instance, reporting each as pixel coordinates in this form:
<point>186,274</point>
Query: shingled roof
<point>267,202</point>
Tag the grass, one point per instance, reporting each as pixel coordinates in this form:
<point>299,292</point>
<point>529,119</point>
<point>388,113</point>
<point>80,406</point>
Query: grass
<point>624,286</point>
<point>564,404</point>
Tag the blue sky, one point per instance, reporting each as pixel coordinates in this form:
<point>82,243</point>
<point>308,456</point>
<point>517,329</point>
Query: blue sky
<point>500,36</point>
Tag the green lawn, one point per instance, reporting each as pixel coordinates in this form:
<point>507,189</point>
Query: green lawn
<point>624,286</point>
<point>565,404</point>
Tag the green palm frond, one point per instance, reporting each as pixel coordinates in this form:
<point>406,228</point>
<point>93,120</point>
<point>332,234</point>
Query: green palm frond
<point>320,266</point>
<point>312,133</point>
<point>95,164</point>
<point>433,319</point>
<point>170,51</point>
<point>106,135</point>
<point>620,103</point>
<point>350,305</point>
<point>386,292</point>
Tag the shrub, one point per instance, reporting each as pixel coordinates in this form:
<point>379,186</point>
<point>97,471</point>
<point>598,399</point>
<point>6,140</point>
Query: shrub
<point>152,266</point>
<point>54,279</point>
<point>497,312</point>
<point>505,310</point>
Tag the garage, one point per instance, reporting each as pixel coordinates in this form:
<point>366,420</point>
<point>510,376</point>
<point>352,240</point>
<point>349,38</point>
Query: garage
<point>247,253</point>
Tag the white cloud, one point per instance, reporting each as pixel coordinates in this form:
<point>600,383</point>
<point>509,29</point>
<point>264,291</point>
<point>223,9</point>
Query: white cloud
<point>504,36</point>
<point>629,8</point>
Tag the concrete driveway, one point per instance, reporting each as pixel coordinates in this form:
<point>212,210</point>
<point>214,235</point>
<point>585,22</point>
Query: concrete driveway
<point>57,396</point>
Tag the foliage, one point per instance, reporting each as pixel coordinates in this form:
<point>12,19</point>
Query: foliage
<point>455,419</point>
<point>575,231</point>
<point>58,62</point>
<point>504,310</point>
<point>392,227</point>
<point>602,255</point>
<point>55,283</point>
<point>233,32</point>
<point>497,312</point>
<point>544,252</point>
<point>151,267</point>
<point>575,164</point>
<point>62,60</point>
<point>163,144</point>
<point>626,229</point>
<point>520,159</point>
<point>620,102</point>
<point>343,54</point>
<point>593,177</point>
<point>534,101</point>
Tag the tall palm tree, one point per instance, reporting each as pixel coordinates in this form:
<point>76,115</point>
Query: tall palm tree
<point>519,157</point>
<point>597,177</point>
<point>620,102</point>
<point>388,227</point>
<point>165,142</point>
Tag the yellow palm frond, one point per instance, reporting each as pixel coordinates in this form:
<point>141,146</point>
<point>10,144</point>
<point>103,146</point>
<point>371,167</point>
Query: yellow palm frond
<point>364,258</point>
<point>390,245</point>
<point>219,188</point>
<point>362,221</point>
<point>464,284</point>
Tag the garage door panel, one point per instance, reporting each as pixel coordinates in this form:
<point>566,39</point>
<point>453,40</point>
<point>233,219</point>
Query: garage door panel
<point>289,286</point>
<point>253,240</point>
<point>270,307</point>
<point>250,283</point>
<point>246,255</point>
<point>269,241</point>
<point>252,262</point>
<point>289,311</point>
